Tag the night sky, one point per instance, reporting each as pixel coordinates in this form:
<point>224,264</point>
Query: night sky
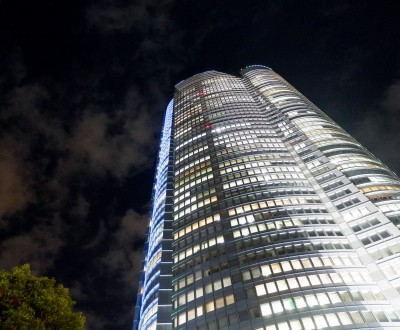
<point>83,87</point>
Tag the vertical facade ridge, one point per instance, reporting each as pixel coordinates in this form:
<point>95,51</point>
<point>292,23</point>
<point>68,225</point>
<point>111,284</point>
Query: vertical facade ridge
<point>273,216</point>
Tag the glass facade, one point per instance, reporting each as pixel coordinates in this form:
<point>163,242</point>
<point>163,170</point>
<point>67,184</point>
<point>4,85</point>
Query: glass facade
<point>267,215</point>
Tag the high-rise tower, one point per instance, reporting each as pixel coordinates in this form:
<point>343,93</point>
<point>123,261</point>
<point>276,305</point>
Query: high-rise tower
<point>267,215</point>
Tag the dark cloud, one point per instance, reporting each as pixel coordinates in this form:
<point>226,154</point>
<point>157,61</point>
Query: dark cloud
<point>119,16</point>
<point>378,126</point>
<point>391,100</point>
<point>83,86</point>
<point>56,148</point>
<point>38,247</point>
<point>112,18</point>
<point>16,190</point>
<point>117,266</point>
<point>116,145</point>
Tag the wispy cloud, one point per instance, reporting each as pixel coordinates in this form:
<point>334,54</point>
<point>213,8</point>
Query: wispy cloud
<point>378,126</point>
<point>391,100</point>
<point>141,16</point>
<point>56,148</point>
<point>16,185</point>
<point>37,247</point>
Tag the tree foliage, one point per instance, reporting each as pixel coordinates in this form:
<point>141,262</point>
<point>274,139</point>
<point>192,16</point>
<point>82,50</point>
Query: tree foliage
<point>35,303</point>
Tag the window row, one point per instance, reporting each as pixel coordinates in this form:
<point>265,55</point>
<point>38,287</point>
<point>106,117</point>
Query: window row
<point>273,203</point>
<point>190,140</point>
<point>263,178</point>
<point>338,159</point>
<point>395,219</point>
<point>339,194</point>
<point>314,164</point>
<point>282,236</point>
<point>320,170</point>
<point>293,113</point>
<point>155,237</point>
<point>199,292</point>
<point>308,158</point>
<point>343,142</point>
<point>198,275</point>
<point>384,196</point>
<point>264,167</point>
<point>241,136</point>
<point>236,136</point>
<point>246,159</point>
<point>302,264</point>
<point>257,147</point>
<point>289,305</point>
<point>201,258</point>
<point>186,106</point>
<point>199,247</point>
<point>185,132</point>
<point>317,129</point>
<point>147,314</point>
<point>253,142</point>
<point>179,170</point>
<point>196,182</point>
<point>358,165</point>
<point>378,188</point>
<point>275,169</point>
<point>390,207</point>
<point>294,236</point>
<point>385,252</point>
<point>292,249</point>
<point>271,189</point>
<point>252,193</point>
<point>220,100</point>
<point>194,207</point>
<point>152,262</point>
<point>307,123</point>
<point>201,213</point>
<point>375,237</point>
<point>355,213</point>
<point>220,323</point>
<point>190,154</point>
<point>391,270</point>
<point>248,132</point>
<point>186,199</point>
<point>376,179</point>
<point>181,133</point>
<point>196,225</point>
<point>195,174</point>
<point>307,281</point>
<point>190,123</point>
<point>326,178</point>
<point>347,203</point>
<point>193,111</point>
<point>285,212</point>
<point>149,291</point>
<point>364,224</point>
<point>189,148</point>
<point>281,224</point>
<point>228,86</point>
<point>228,127</point>
<point>199,195</point>
<point>210,306</point>
<point>197,236</point>
<point>330,320</point>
